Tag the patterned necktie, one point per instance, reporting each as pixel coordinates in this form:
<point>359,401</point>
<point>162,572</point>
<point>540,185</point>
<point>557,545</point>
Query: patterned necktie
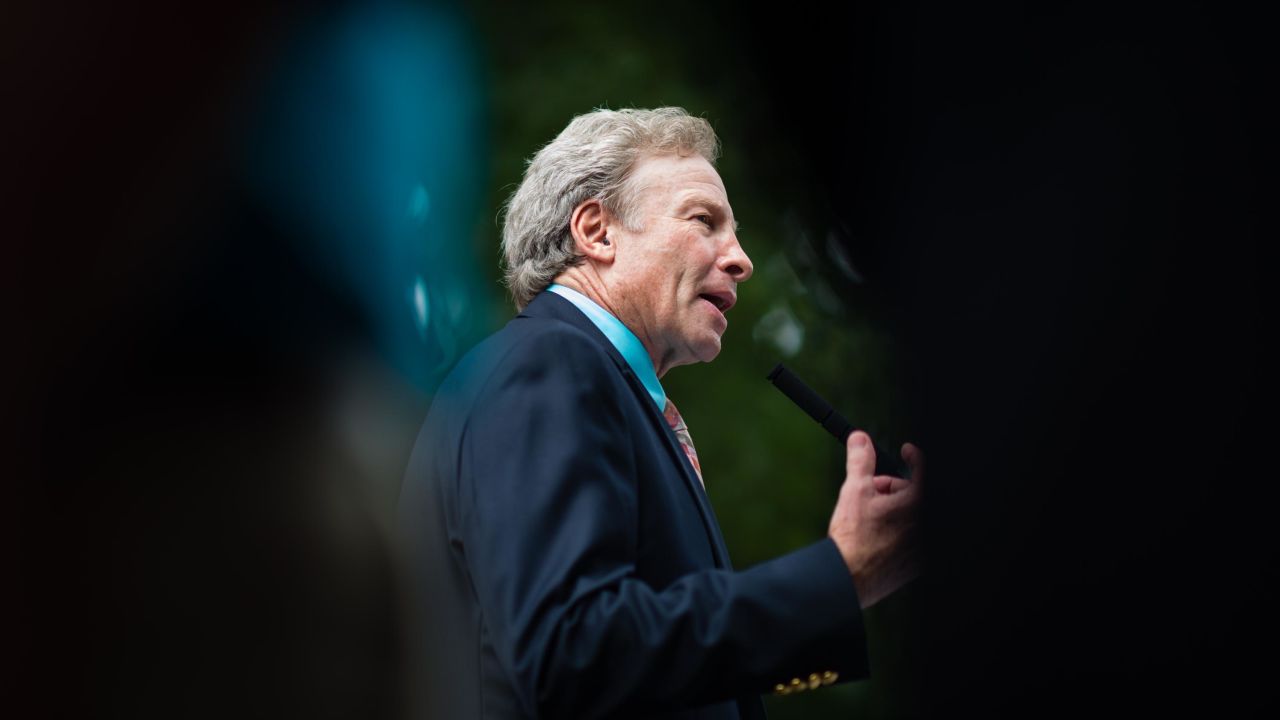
<point>682,434</point>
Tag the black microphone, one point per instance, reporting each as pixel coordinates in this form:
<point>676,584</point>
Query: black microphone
<point>833,422</point>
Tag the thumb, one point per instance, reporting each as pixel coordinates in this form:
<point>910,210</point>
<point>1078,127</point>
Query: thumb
<point>860,456</point>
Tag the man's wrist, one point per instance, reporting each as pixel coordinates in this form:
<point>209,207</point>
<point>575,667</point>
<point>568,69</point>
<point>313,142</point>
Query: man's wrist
<point>845,547</point>
<point>868,594</point>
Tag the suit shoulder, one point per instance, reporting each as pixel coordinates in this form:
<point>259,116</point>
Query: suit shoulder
<point>529,348</point>
<point>551,335</point>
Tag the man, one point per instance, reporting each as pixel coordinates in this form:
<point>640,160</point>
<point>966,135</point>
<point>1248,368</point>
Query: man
<point>572,565</point>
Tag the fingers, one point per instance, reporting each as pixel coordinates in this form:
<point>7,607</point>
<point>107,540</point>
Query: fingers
<point>888,484</point>
<point>914,458</point>
<point>901,494</point>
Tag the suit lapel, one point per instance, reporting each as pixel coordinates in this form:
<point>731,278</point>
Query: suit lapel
<point>548,305</point>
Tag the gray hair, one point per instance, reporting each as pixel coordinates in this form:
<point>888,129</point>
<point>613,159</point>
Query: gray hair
<point>591,158</point>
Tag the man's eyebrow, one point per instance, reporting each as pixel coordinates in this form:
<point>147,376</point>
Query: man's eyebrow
<point>704,200</point>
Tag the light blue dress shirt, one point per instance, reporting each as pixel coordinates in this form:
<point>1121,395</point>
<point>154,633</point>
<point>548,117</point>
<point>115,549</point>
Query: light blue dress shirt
<point>622,338</point>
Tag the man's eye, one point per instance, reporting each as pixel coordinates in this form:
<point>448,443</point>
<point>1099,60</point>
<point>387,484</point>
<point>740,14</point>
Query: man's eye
<point>706,219</point>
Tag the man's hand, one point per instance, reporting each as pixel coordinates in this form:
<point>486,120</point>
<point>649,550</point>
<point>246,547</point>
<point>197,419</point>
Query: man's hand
<point>874,521</point>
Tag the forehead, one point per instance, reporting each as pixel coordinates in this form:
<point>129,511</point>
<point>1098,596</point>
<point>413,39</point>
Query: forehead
<point>663,181</point>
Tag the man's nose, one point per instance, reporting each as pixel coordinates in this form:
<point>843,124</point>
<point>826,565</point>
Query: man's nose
<point>735,261</point>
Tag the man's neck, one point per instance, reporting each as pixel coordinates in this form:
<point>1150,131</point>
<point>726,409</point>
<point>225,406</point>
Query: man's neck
<point>593,288</point>
<point>622,339</point>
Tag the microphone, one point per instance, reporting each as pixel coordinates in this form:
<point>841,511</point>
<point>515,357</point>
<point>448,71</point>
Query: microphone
<point>833,422</point>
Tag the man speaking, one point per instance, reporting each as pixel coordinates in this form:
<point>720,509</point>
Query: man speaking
<point>570,563</point>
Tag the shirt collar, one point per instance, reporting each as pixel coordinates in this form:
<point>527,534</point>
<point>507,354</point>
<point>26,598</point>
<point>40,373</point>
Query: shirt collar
<point>623,339</point>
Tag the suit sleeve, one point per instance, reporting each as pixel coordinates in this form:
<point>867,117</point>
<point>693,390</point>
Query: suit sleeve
<point>548,519</point>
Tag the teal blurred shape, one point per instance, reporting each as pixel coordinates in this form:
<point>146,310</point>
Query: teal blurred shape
<point>366,149</point>
<point>419,204</point>
<point>421,306</point>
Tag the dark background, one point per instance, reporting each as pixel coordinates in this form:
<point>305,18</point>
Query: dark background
<point>1057,208</point>
<point>1023,237</point>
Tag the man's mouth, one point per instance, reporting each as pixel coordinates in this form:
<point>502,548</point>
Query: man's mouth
<point>721,300</point>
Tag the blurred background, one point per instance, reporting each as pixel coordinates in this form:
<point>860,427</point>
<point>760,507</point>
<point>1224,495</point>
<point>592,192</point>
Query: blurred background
<point>252,240</point>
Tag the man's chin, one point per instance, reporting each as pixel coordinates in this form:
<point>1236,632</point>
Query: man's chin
<point>708,351</point>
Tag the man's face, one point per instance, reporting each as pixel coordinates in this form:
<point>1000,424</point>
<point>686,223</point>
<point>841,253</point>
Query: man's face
<point>671,276</point>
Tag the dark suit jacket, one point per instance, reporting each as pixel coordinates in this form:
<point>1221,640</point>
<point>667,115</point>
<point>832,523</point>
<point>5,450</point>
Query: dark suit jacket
<point>569,563</point>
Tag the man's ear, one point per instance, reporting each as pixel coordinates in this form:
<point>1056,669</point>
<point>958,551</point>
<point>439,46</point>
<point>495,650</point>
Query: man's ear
<point>589,225</point>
